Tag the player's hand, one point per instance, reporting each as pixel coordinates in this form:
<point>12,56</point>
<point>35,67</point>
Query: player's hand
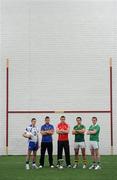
<point>88,132</point>
<point>45,132</point>
<point>74,132</point>
<point>61,131</point>
<point>48,132</point>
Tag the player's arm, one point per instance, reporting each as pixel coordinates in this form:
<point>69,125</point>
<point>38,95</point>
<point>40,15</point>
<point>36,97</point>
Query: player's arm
<point>82,131</point>
<point>66,131</point>
<point>91,132</point>
<point>74,131</point>
<point>43,132</point>
<point>51,131</point>
<point>58,131</point>
<point>97,129</point>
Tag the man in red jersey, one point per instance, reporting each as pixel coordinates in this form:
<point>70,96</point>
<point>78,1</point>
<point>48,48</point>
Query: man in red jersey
<point>63,142</point>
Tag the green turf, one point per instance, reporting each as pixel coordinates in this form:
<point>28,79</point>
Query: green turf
<point>13,168</point>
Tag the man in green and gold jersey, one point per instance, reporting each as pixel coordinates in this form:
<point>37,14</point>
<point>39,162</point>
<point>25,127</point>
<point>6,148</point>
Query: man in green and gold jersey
<point>93,133</point>
<point>79,143</point>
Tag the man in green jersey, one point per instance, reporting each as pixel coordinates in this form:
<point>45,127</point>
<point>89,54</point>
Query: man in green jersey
<point>79,143</point>
<point>93,133</point>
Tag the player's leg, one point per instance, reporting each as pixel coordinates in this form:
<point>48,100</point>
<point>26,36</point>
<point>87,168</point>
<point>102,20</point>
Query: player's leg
<point>28,159</point>
<point>92,150</point>
<point>59,153</point>
<point>83,150</point>
<point>97,159</point>
<point>76,160</point>
<point>43,150</point>
<point>67,153</point>
<point>50,152</point>
<point>34,157</point>
<point>34,166</point>
<point>97,156</point>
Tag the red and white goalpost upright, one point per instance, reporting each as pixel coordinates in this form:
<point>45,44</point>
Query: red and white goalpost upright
<point>7,104</point>
<point>108,111</point>
<point>111,104</point>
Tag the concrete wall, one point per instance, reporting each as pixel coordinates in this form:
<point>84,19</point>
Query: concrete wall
<point>58,53</point>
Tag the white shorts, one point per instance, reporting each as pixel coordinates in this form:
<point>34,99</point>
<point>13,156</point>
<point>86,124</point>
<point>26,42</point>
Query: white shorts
<point>78,145</point>
<point>94,145</point>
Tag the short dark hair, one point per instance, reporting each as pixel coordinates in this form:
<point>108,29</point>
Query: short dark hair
<point>79,118</point>
<point>33,119</point>
<point>94,118</point>
<point>62,116</point>
<point>47,117</point>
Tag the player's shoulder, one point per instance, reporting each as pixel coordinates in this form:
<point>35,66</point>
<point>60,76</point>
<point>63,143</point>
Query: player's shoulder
<point>51,126</point>
<point>90,126</point>
<point>59,124</point>
<point>98,126</point>
<point>75,126</point>
<point>82,125</point>
<point>43,126</point>
<point>67,125</point>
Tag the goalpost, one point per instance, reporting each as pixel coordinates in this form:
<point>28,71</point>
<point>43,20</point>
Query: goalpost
<point>15,111</point>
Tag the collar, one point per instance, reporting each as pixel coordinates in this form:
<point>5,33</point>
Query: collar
<point>46,124</point>
<point>94,125</point>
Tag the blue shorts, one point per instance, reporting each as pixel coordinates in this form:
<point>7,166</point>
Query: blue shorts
<point>33,146</point>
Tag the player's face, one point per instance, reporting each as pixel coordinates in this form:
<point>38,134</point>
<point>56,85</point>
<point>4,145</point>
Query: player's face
<point>94,121</point>
<point>47,120</point>
<point>78,120</point>
<point>62,119</point>
<point>34,122</point>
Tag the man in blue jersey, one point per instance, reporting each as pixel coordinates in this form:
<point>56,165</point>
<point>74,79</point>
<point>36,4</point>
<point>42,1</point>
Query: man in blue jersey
<point>47,131</point>
<point>31,133</point>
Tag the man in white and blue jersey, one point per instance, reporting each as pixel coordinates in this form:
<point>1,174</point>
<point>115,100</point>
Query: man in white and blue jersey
<point>31,133</point>
<point>47,131</point>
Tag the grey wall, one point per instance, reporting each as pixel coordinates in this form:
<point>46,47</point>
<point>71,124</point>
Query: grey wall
<point>58,53</point>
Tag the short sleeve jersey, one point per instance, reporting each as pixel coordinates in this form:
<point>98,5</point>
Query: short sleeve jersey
<point>34,131</point>
<point>79,137</point>
<point>94,137</point>
<point>46,127</point>
<point>63,126</point>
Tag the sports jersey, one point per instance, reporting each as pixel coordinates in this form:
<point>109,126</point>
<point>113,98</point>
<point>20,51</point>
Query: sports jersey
<point>34,131</point>
<point>79,137</point>
<point>63,126</point>
<point>94,137</point>
<point>48,137</point>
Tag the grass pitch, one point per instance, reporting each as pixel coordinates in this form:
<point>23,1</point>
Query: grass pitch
<point>13,168</point>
